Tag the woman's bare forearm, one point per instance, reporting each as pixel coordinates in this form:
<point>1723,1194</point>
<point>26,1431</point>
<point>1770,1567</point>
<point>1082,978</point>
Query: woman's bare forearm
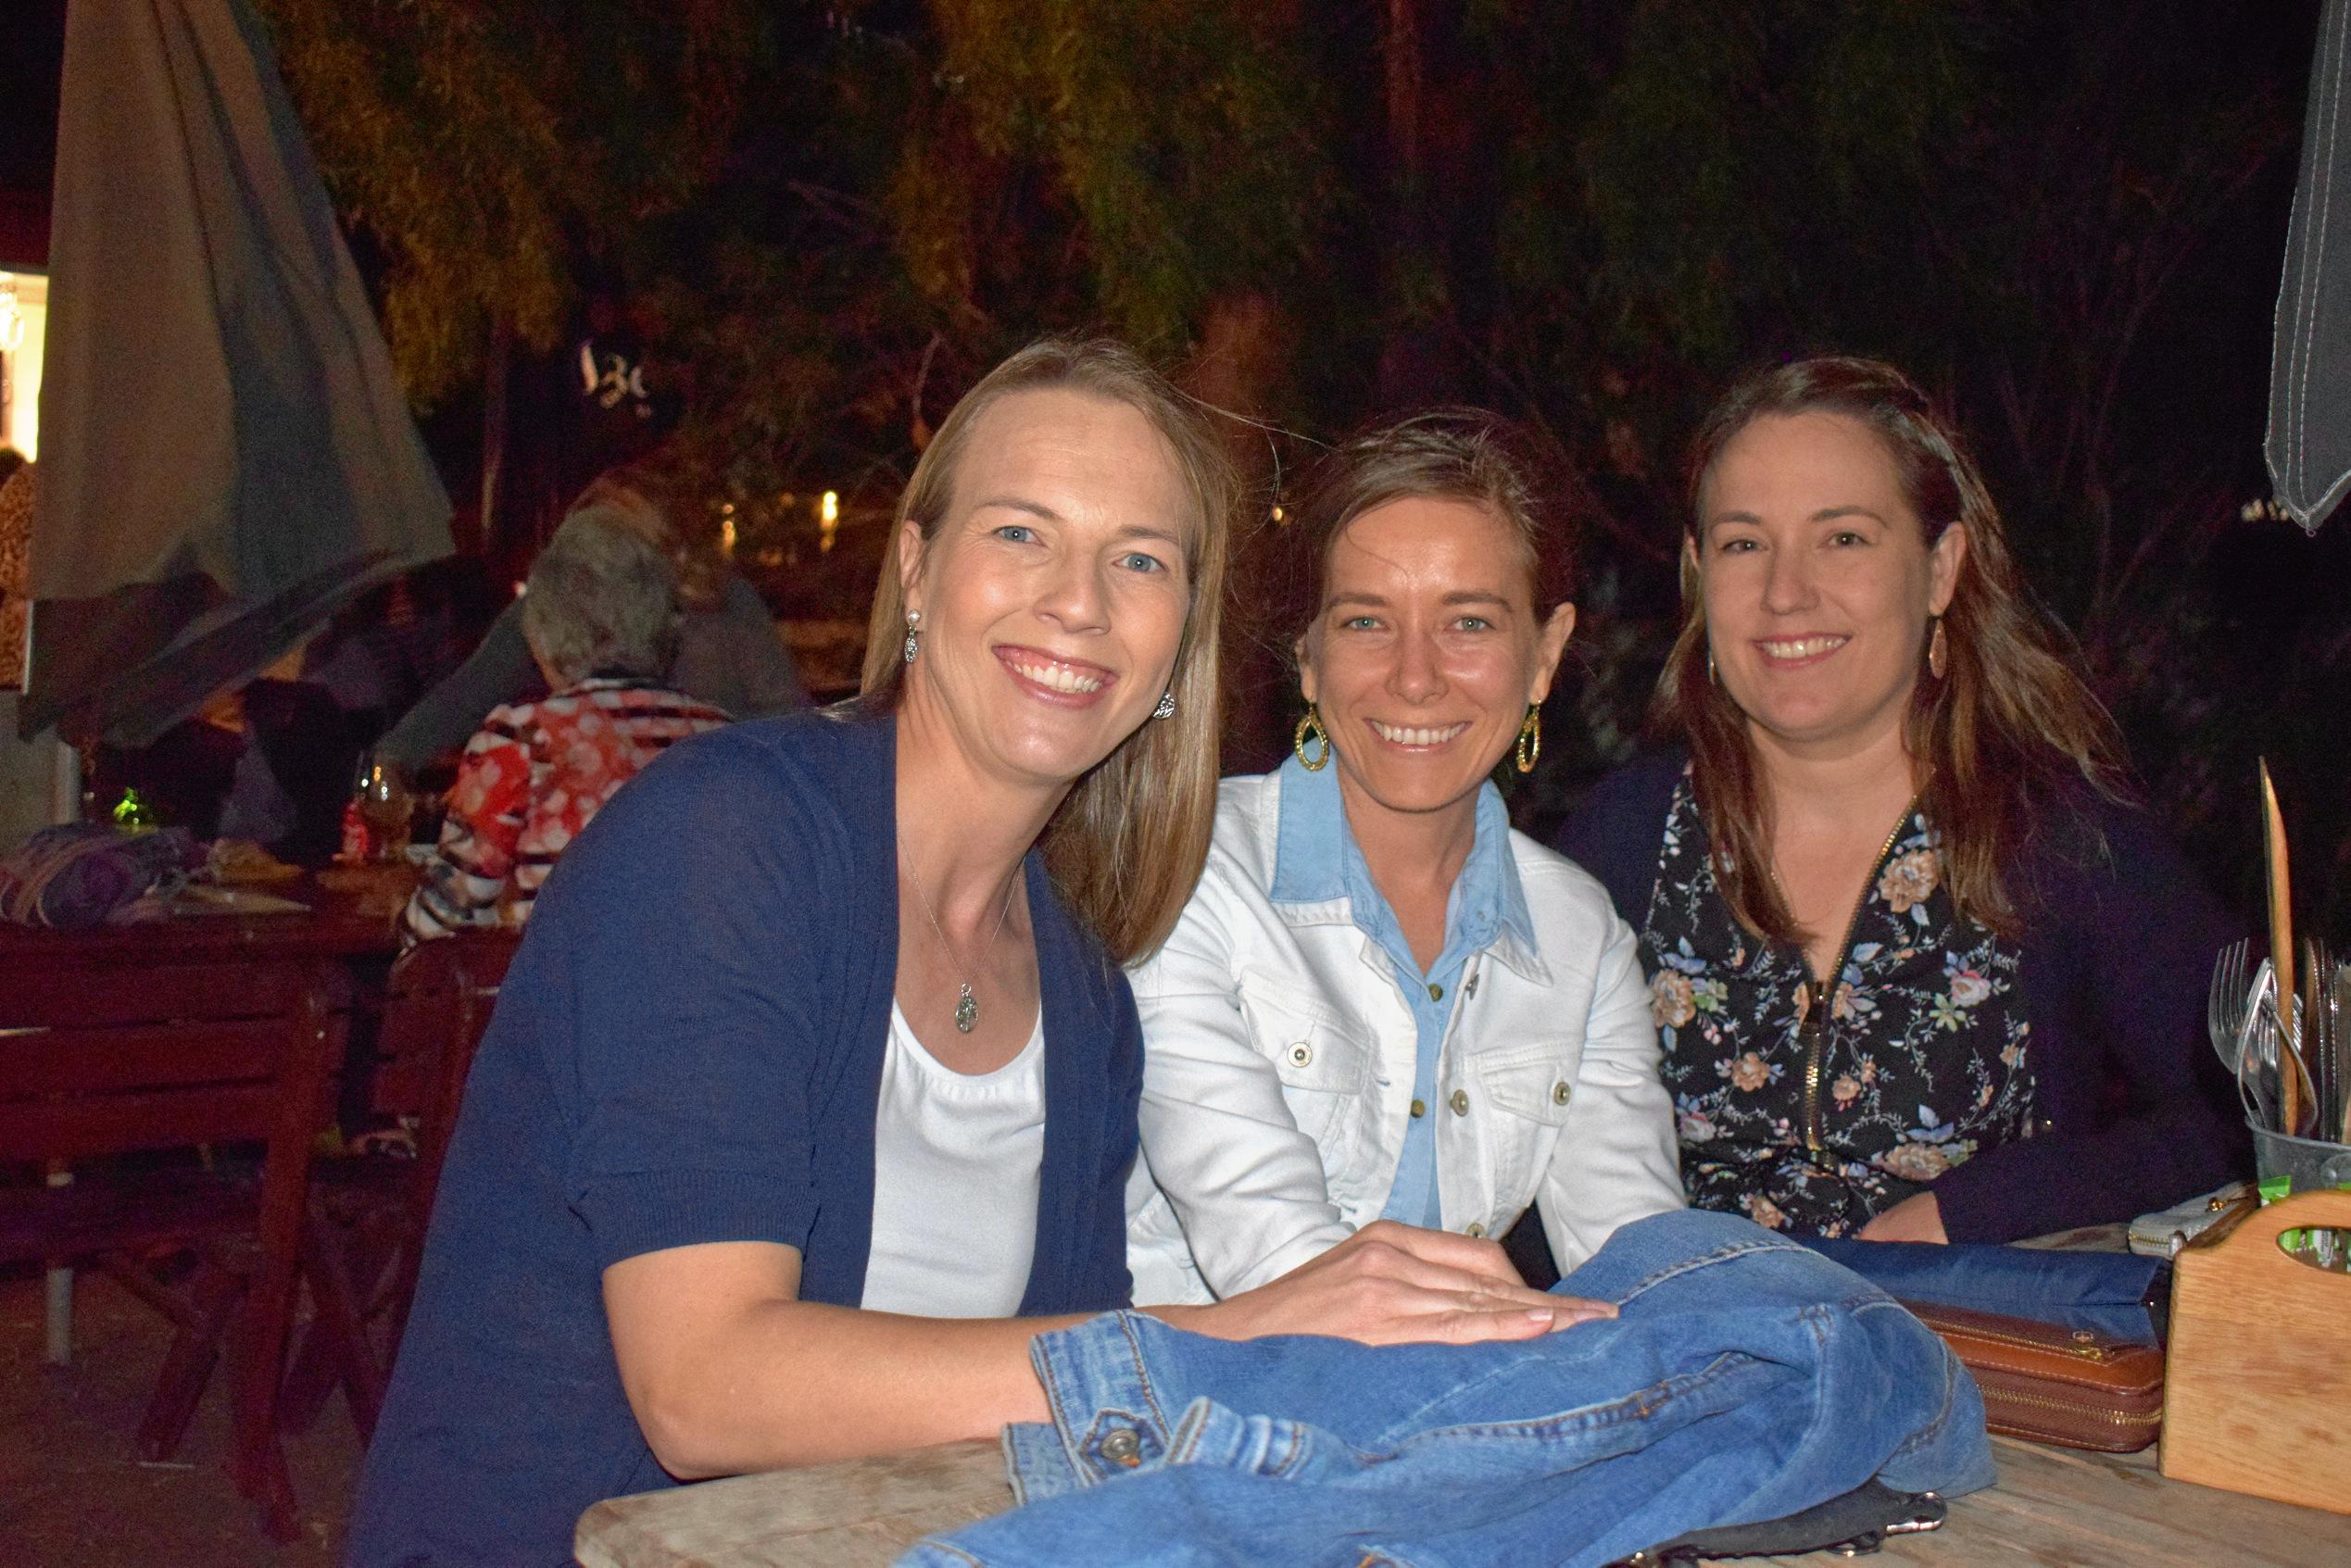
<point>794,1382</point>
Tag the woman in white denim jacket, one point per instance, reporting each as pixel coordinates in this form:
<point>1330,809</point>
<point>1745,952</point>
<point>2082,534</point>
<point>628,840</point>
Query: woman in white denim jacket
<point>1381,1003</point>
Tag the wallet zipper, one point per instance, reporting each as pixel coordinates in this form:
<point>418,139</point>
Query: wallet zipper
<point>2089,1349</point>
<point>2096,1412</point>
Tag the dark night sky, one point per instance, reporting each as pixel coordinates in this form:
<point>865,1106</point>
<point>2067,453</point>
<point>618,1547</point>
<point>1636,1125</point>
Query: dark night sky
<point>29,54</point>
<point>28,59</point>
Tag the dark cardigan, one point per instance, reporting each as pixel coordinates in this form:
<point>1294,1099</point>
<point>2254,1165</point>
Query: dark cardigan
<point>2135,1113</point>
<point>689,1050</point>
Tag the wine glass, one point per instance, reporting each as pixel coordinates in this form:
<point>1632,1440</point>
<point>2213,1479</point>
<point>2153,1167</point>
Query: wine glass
<point>387,805</point>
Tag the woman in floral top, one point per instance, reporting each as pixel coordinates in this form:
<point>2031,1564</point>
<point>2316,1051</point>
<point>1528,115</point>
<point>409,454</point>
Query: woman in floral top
<point>1919,974</point>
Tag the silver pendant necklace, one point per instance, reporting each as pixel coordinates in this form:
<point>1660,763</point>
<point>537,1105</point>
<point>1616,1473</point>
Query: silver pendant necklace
<point>966,1005</point>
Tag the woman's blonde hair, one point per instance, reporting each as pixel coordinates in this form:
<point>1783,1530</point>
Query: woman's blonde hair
<point>1127,845</point>
<point>2004,731</point>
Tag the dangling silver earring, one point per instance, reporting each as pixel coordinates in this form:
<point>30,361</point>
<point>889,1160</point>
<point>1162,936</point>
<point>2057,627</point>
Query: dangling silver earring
<point>914,633</point>
<point>1166,709</point>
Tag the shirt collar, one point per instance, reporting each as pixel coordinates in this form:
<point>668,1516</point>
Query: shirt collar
<point>1313,850</point>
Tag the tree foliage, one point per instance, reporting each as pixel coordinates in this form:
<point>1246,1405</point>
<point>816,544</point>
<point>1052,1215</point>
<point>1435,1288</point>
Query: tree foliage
<point>485,147</point>
<point>1588,213</point>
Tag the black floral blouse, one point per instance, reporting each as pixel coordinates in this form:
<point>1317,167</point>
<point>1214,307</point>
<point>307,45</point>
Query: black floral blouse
<point>1811,1117</point>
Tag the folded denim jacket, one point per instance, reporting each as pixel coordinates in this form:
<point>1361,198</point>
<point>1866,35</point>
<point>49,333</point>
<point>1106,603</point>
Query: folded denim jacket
<point>1745,1378</point>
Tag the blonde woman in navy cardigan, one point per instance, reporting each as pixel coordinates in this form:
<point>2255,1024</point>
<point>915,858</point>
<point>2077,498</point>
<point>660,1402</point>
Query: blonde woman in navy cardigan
<point>810,1097</point>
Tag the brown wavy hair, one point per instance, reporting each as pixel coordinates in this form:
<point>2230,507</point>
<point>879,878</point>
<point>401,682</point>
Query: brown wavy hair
<point>1127,845</point>
<point>2007,732</point>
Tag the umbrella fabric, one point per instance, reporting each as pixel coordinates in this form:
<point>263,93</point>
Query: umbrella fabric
<point>226,456</point>
<point>2309,441</point>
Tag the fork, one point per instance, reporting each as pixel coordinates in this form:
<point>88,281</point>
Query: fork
<point>2338,1002</point>
<point>2326,1051</point>
<point>2225,1013</point>
<point>2272,1055</point>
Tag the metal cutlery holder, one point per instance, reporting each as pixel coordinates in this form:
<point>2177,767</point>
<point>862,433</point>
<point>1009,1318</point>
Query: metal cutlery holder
<point>2307,1164</point>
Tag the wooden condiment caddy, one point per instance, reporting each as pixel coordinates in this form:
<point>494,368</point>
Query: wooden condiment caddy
<point>2257,1388</point>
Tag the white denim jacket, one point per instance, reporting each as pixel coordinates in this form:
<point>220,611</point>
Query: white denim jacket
<point>1278,1067</point>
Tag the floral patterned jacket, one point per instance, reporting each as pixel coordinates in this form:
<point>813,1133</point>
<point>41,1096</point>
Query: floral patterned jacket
<point>533,776</point>
<point>1939,1047</point>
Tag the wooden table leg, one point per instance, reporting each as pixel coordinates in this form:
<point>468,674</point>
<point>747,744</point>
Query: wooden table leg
<point>57,1294</point>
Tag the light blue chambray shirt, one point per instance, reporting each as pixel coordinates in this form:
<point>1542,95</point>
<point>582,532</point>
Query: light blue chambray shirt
<point>1315,860</point>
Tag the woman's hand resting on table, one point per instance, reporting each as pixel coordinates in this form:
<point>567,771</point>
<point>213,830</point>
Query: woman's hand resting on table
<point>1391,1283</point>
<point>1915,1217</point>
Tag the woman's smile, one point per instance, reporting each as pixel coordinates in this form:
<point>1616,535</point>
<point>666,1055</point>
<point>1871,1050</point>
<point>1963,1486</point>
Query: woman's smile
<point>1071,682</point>
<point>1418,737</point>
<point>1793,653</point>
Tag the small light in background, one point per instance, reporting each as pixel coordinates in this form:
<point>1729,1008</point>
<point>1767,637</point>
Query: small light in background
<point>726,536</point>
<point>828,519</point>
<point>521,588</point>
<point>1278,514</point>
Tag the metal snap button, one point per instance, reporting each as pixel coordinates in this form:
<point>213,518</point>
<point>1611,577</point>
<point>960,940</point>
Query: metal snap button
<point>1473,1229</point>
<point>1436,993</point>
<point>1123,1447</point>
<point>1420,1108</point>
<point>1301,1053</point>
<point>1471,988</point>
<point>1561,1093</point>
<point>1460,1102</point>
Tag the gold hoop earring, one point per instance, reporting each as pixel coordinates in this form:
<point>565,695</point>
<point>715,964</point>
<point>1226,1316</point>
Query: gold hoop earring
<point>1530,739</point>
<point>1938,653</point>
<point>1714,677</point>
<point>1311,724</point>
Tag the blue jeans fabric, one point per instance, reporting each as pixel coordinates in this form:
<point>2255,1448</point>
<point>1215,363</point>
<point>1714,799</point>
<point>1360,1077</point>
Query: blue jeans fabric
<point>2108,1293</point>
<point>1746,1378</point>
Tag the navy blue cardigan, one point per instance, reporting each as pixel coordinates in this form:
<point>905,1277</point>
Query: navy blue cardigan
<point>689,1050</point>
<point>2115,963</point>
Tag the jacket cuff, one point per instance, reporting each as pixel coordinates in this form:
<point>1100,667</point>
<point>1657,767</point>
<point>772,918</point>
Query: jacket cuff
<point>1106,1419</point>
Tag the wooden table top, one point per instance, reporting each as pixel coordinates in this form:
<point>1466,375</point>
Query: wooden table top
<point>2052,1506</point>
<point>352,914</point>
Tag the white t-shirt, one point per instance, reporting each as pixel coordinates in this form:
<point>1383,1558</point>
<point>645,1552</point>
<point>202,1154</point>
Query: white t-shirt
<point>956,1157</point>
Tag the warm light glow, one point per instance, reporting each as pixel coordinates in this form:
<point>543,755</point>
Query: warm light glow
<point>1278,514</point>
<point>726,536</point>
<point>828,519</point>
<point>24,319</point>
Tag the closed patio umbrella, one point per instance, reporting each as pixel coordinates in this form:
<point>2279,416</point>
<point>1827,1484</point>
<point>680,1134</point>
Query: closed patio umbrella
<point>2309,441</point>
<point>226,458</point>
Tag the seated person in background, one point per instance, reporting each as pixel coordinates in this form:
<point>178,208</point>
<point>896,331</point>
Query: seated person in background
<point>727,651</point>
<point>1381,1002</point>
<point>602,623</point>
<point>1921,973</point>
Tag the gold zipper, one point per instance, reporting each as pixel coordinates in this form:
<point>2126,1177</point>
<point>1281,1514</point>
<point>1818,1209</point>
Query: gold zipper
<point>2111,1417</point>
<point>1815,1053</point>
<point>2084,1346</point>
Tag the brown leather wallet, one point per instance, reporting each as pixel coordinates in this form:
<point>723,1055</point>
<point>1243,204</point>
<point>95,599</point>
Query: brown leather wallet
<point>2055,1384</point>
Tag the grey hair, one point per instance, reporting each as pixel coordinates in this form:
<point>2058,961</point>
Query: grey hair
<point>601,601</point>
